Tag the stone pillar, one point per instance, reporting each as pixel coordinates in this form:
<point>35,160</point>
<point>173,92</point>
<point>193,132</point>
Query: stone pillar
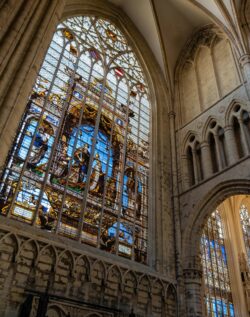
<point>193,282</point>
<point>243,137</point>
<point>27,32</point>
<point>230,144</point>
<point>176,216</point>
<point>206,160</point>
<point>218,152</point>
<point>196,167</point>
<point>245,64</point>
<point>185,172</point>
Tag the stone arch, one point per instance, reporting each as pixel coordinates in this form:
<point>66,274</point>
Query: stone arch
<point>214,145</point>
<point>206,128</point>
<point>70,256</point>
<point>82,278</point>
<point>158,297</point>
<point>102,266</point>
<point>234,103</point>
<point>171,288</point>
<point>9,249</point>
<point>130,287</point>
<point>146,278</point>
<point>186,140</point>
<point>158,281</point>
<point>13,243</point>
<point>238,120</point>
<point>45,267</point>
<point>51,249</point>
<point>192,159</point>
<point>115,268</point>
<point>113,285</point>
<point>98,279</point>
<point>171,300</point>
<point>83,261</point>
<point>64,272</point>
<point>130,275</point>
<point>144,302</point>
<point>26,263</point>
<point>32,243</point>
<point>55,310</point>
<point>202,211</point>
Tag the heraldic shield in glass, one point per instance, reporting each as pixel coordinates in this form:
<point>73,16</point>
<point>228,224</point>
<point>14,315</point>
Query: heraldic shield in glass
<point>79,164</point>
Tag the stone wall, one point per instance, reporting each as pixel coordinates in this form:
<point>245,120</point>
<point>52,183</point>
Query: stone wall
<point>207,72</point>
<point>72,279</point>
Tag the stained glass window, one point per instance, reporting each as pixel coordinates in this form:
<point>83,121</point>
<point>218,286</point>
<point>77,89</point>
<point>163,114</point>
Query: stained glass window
<point>218,296</point>
<point>79,165</point>
<point>245,225</point>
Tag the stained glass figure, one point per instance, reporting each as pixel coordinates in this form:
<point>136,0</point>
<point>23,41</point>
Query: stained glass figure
<point>79,165</point>
<point>245,226</point>
<point>218,296</point>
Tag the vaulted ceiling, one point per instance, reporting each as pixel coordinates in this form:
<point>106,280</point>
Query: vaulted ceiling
<point>168,24</point>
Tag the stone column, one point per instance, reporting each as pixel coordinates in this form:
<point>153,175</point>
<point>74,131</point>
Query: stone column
<point>195,164</point>
<point>176,217</point>
<point>193,282</point>
<point>206,160</point>
<point>27,32</point>
<point>185,172</point>
<point>218,152</point>
<point>245,64</point>
<point>243,137</point>
<point>230,145</point>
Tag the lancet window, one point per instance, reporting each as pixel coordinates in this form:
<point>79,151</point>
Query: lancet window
<point>79,165</point>
<point>218,296</point>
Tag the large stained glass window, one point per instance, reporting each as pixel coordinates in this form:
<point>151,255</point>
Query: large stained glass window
<point>79,164</point>
<point>245,226</point>
<point>218,296</point>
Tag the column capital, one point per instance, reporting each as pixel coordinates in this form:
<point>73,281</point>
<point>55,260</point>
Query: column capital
<point>228,128</point>
<point>204,144</point>
<point>171,114</point>
<point>192,273</point>
<point>244,59</point>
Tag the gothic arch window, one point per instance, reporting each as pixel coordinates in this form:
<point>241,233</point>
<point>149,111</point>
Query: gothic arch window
<point>79,164</point>
<point>218,295</point>
<point>193,159</point>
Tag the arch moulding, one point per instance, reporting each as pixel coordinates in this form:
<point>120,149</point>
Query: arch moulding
<point>192,234</point>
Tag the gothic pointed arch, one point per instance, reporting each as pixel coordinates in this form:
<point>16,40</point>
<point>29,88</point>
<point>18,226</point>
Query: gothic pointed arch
<point>79,165</point>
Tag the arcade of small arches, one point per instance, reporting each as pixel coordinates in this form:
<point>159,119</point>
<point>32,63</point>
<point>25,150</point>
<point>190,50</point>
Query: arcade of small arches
<point>72,277</point>
<point>221,143</point>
